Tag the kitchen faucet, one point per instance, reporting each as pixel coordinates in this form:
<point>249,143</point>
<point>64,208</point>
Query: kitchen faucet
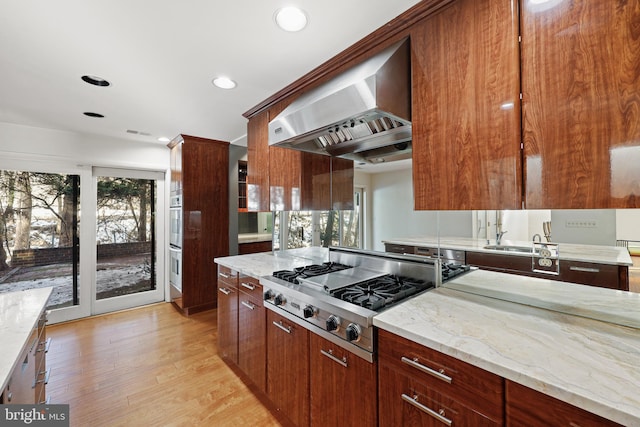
<point>499,235</point>
<point>539,238</point>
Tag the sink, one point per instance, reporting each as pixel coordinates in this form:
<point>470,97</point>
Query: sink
<point>510,248</point>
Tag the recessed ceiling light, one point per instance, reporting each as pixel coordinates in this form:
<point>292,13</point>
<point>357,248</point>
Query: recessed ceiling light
<point>290,18</point>
<point>164,139</point>
<point>95,80</point>
<point>90,114</point>
<point>224,83</point>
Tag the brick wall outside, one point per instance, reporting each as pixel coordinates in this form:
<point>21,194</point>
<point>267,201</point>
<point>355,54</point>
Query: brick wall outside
<point>45,256</point>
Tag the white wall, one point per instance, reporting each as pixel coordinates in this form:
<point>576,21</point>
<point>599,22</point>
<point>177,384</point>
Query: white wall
<point>628,224</point>
<point>393,216</point>
<point>62,147</point>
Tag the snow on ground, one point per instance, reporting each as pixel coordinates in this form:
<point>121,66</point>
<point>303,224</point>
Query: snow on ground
<point>107,280</point>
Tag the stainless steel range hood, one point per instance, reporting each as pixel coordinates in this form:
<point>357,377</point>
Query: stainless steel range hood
<point>364,114</point>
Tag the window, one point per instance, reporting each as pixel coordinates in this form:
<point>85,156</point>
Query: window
<point>39,218</point>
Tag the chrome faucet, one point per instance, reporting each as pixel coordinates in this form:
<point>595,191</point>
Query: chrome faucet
<point>538,236</point>
<point>499,235</point>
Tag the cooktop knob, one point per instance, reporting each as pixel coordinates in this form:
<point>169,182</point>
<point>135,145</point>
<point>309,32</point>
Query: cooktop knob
<point>353,332</point>
<point>309,311</point>
<point>268,294</point>
<point>333,323</point>
<point>279,300</point>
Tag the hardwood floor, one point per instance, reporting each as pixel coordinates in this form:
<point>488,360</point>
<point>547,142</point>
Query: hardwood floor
<point>149,366</point>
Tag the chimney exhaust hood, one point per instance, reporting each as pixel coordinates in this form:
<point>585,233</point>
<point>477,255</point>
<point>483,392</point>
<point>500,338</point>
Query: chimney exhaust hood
<point>363,114</point>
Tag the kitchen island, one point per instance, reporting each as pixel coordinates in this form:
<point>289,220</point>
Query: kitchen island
<point>21,329</point>
<point>587,363</point>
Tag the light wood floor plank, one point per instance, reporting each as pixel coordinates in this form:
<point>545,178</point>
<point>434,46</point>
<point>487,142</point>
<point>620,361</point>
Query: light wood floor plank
<point>150,366</point>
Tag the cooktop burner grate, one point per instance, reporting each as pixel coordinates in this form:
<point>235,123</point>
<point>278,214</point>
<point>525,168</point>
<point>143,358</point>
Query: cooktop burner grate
<point>450,270</point>
<point>309,271</point>
<point>380,292</point>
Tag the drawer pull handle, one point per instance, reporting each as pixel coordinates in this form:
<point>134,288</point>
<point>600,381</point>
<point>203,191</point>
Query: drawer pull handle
<point>330,355</point>
<point>584,269</point>
<point>427,370</point>
<point>248,305</point>
<point>226,276</point>
<point>44,345</point>
<point>287,329</point>
<point>44,380</point>
<point>224,291</point>
<point>437,415</point>
<point>248,286</point>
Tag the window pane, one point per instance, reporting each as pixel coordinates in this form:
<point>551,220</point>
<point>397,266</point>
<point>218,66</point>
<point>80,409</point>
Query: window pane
<point>39,217</point>
<point>125,236</point>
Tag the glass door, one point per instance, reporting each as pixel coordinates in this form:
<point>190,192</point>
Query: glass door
<point>127,239</point>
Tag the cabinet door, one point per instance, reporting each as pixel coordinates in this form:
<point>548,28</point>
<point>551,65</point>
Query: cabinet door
<point>465,107</point>
<point>581,110</point>
<point>258,163</point>
<point>252,340</point>
<point>343,387</point>
<point>228,322</point>
<point>527,407</point>
<point>405,401</point>
<point>288,368</point>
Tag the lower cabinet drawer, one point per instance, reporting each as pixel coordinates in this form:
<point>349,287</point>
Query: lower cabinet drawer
<point>406,401</point>
<point>472,386</point>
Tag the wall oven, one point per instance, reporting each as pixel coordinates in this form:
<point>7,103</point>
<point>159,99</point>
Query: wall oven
<point>175,222</point>
<point>175,276</point>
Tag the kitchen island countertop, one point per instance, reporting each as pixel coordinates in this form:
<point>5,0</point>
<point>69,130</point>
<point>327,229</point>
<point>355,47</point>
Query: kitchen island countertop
<point>19,314</point>
<point>265,263</point>
<point>567,251</point>
<point>587,363</point>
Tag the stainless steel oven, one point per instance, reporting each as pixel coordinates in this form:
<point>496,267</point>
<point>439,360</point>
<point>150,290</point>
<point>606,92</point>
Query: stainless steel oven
<point>175,277</point>
<point>175,221</point>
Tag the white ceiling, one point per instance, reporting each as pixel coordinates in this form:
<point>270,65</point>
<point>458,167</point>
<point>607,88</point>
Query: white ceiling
<point>160,57</point>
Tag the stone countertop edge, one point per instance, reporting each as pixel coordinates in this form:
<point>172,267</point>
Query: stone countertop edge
<point>613,255</point>
<point>264,263</point>
<point>587,363</point>
<point>254,237</point>
<point>19,314</point>
<point>608,305</point>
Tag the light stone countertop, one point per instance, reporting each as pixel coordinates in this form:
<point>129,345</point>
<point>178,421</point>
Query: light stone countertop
<point>568,251</point>
<point>265,263</point>
<point>254,237</point>
<point>587,363</point>
<point>608,305</point>
<point>19,314</point>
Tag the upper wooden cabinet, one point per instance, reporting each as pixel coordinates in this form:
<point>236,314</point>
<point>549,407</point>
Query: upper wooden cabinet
<point>465,107</point>
<point>282,179</point>
<point>258,163</point>
<point>581,104</point>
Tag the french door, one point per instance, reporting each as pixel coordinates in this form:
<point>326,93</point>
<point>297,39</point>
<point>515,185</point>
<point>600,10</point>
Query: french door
<point>129,233</point>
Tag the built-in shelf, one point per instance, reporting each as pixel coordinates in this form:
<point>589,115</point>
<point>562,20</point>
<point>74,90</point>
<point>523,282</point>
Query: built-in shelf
<point>242,186</point>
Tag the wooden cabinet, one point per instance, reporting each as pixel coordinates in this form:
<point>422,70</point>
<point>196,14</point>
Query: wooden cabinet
<point>228,314</point>
<point>204,176</point>
<point>527,407</point>
<point>295,180</point>
<point>253,247</point>
<point>580,67</point>
<point>585,273</point>
<point>252,332</point>
<point>343,386</point>
<point>258,161</point>
<point>465,107</point>
<point>419,386</point>
<point>288,368</point>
